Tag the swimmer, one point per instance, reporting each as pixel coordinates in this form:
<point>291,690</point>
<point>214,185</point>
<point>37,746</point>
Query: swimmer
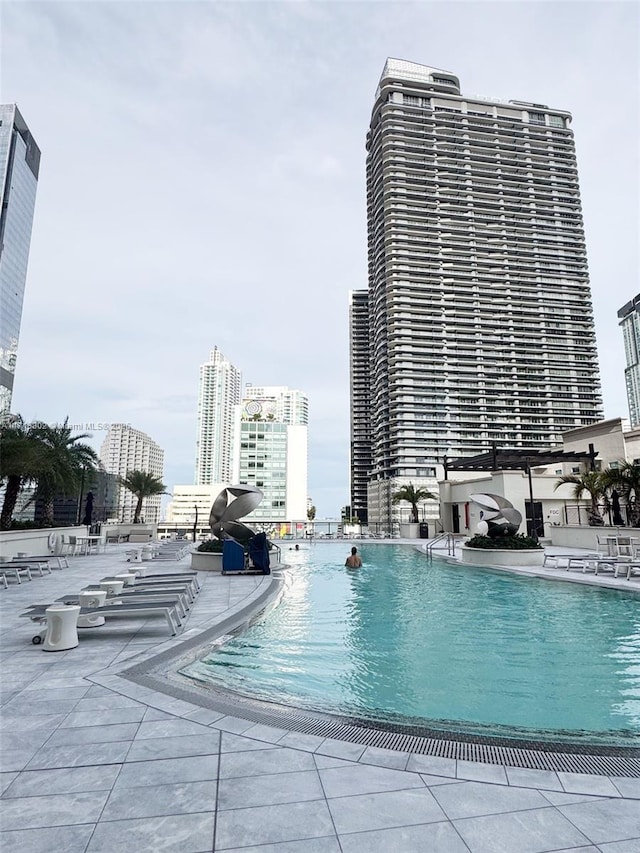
<point>353,561</point>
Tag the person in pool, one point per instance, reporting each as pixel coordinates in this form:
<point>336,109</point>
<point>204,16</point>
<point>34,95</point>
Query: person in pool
<point>353,561</point>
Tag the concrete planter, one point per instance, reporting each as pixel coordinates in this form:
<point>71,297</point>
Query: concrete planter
<point>203,561</point>
<point>409,530</point>
<point>503,557</point>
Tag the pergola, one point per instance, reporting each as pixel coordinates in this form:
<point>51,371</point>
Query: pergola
<point>498,459</point>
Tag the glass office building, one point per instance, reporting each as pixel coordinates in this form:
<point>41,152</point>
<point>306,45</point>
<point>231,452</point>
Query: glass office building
<point>19,167</point>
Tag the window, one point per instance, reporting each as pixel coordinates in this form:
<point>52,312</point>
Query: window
<point>556,121</point>
<point>536,118</point>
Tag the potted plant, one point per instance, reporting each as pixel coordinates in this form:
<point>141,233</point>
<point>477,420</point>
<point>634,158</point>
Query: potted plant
<point>511,550</point>
<point>208,556</point>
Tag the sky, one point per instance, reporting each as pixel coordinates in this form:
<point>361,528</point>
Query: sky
<point>203,184</point>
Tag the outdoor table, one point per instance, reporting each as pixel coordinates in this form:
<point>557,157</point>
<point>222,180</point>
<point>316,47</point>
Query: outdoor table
<point>62,627</point>
<point>96,598</point>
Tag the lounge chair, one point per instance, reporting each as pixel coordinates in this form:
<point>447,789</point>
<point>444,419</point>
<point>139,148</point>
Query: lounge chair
<point>124,597</point>
<point>52,559</point>
<point>39,566</point>
<point>15,571</point>
<point>167,609</point>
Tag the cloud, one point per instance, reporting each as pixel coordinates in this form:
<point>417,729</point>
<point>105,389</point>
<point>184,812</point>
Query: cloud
<point>203,183</point>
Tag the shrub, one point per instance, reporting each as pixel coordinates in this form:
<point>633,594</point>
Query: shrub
<point>503,543</point>
<point>211,546</point>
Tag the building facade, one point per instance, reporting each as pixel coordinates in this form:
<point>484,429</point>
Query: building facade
<point>271,451</point>
<point>220,391</point>
<point>287,405</point>
<point>126,449</point>
<point>360,439</point>
<point>479,307</point>
<point>19,169</point>
<point>191,505</point>
<point>629,316</point>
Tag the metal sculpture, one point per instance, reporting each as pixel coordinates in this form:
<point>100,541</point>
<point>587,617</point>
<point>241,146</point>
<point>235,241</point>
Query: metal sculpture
<point>498,516</point>
<point>232,503</point>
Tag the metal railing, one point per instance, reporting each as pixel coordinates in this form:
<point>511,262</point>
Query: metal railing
<point>444,540</point>
<point>277,549</point>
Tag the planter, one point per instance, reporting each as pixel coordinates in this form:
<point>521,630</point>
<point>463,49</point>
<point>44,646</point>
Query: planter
<point>503,557</point>
<point>203,561</point>
<point>409,531</point>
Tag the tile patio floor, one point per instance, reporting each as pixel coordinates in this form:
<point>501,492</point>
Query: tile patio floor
<point>93,762</point>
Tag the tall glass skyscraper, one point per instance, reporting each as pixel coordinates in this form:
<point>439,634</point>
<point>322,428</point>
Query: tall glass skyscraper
<point>19,167</point>
<point>479,307</point>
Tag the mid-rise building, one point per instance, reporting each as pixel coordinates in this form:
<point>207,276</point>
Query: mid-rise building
<point>220,391</point>
<point>271,452</point>
<point>126,449</point>
<point>630,321</point>
<point>19,169</point>
<point>192,504</point>
<point>285,404</point>
<point>479,307</point>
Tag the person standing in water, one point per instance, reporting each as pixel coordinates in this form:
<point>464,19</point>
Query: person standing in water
<point>353,561</point>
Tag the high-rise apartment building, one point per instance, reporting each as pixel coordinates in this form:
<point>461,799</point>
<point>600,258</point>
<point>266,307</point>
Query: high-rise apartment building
<point>19,168</point>
<point>360,444</point>
<point>125,449</point>
<point>220,391</point>
<point>480,318</point>
<point>630,321</point>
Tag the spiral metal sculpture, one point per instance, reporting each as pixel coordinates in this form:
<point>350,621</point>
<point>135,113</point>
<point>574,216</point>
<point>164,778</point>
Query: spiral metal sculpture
<point>499,516</point>
<point>233,503</point>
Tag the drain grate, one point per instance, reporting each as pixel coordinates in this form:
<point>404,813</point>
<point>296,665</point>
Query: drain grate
<point>533,755</point>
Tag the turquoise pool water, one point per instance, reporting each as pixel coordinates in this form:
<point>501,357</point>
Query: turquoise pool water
<point>453,647</point>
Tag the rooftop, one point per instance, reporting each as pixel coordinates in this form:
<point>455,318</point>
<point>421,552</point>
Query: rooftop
<point>94,758</point>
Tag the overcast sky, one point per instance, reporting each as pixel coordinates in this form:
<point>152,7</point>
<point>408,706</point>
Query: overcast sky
<point>203,184</point>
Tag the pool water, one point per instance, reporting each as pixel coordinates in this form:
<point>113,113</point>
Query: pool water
<point>446,646</point>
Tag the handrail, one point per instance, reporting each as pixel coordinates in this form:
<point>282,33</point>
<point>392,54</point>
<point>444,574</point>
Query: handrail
<point>450,544</point>
<point>278,551</point>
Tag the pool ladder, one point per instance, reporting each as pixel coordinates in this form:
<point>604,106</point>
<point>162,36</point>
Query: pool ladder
<point>444,540</point>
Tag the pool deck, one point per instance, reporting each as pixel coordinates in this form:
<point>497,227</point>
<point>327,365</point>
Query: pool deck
<point>93,761</point>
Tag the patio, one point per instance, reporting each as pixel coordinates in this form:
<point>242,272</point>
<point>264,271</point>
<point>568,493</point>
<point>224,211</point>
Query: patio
<point>92,761</point>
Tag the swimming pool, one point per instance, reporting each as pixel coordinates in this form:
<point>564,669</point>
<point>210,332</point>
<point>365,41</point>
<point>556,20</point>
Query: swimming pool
<point>445,646</point>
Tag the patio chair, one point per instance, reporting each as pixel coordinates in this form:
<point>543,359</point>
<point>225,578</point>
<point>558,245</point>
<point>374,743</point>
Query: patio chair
<point>133,610</point>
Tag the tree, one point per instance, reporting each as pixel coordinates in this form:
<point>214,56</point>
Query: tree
<point>18,463</point>
<point>626,479</point>
<point>311,513</point>
<point>143,485</point>
<point>62,457</point>
<point>413,496</point>
<point>594,483</point>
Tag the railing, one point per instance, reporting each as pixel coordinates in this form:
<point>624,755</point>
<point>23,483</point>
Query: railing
<point>278,551</point>
<point>440,541</point>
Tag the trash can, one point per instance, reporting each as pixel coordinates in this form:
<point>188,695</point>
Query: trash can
<point>232,556</point>
<point>424,530</point>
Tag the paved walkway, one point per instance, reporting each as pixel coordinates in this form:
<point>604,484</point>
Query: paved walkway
<point>93,762</point>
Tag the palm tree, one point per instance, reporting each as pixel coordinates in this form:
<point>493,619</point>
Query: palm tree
<point>626,479</point>
<point>413,496</point>
<point>311,513</point>
<point>18,463</point>
<point>594,483</point>
<point>61,461</point>
<point>143,485</point>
